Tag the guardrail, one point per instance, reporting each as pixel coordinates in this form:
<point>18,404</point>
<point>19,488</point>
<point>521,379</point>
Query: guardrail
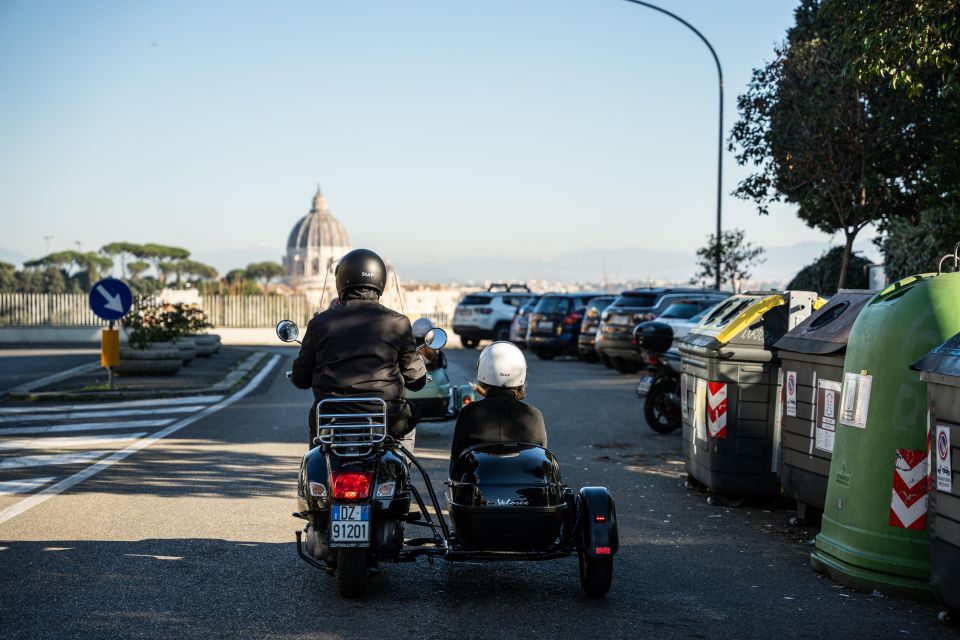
<point>73,310</point>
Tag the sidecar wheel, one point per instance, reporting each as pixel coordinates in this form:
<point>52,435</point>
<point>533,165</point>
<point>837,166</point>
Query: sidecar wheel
<point>351,572</point>
<point>596,575</point>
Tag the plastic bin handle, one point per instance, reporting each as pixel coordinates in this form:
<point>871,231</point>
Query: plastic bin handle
<point>749,315</point>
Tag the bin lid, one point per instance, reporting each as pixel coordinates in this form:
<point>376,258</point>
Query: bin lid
<point>756,318</point>
<point>828,329</point>
<point>945,359</point>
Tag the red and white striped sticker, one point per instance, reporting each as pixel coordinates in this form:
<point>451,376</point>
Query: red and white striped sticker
<point>717,409</point>
<point>908,502</point>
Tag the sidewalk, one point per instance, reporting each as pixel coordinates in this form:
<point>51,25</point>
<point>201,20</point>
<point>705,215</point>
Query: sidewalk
<point>217,374</point>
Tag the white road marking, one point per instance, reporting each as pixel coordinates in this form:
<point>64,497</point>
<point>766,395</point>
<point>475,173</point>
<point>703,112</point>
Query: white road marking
<point>42,496</point>
<point>45,459</point>
<point>23,486</point>
<point>83,426</point>
<point>71,441</point>
<point>86,415</point>
<point>156,402</point>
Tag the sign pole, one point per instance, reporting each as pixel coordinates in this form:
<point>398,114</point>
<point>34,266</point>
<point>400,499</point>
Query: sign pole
<point>110,368</point>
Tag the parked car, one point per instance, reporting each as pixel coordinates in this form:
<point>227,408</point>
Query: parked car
<point>555,324</point>
<point>487,315</point>
<point>586,343</point>
<point>521,320</point>
<point>615,338</point>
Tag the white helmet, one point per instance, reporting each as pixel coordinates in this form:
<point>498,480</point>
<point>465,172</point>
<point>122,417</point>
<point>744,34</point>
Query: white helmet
<point>502,365</point>
<point>422,326</point>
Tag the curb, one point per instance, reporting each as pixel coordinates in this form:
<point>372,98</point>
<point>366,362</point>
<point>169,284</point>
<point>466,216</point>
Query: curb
<point>229,383</point>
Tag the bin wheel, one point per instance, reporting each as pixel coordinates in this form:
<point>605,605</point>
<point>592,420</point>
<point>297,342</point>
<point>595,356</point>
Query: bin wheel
<point>947,617</point>
<point>351,572</point>
<point>596,575</point>
<point>714,501</point>
<point>797,521</point>
<point>469,343</point>
<point>691,483</point>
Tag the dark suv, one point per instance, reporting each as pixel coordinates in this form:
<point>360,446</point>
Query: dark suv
<point>586,343</point>
<point>555,324</point>
<point>615,338</point>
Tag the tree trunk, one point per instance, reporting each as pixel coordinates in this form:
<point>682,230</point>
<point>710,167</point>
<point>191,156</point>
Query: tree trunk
<point>845,264</point>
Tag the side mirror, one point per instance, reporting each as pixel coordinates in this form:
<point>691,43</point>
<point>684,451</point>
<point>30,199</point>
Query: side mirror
<point>435,339</point>
<point>287,330</point>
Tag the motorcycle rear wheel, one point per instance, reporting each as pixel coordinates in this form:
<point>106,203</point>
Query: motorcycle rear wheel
<point>596,575</point>
<point>661,415</point>
<point>351,572</point>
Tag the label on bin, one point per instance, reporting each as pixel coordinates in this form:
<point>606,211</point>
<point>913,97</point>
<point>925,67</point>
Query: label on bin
<point>908,501</point>
<point>717,409</point>
<point>855,402</point>
<point>700,410</point>
<point>684,411</point>
<point>828,402</point>
<point>944,470</point>
<point>792,393</point>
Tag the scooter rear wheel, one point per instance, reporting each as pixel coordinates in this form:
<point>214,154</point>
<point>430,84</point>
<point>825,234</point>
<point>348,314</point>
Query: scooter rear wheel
<point>659,412</point>
<point>351,572</point>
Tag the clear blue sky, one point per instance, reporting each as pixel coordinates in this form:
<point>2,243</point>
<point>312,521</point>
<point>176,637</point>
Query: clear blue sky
<point>535,127</point>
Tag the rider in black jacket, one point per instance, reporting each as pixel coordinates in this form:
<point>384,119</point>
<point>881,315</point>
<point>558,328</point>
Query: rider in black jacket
<point>360,347</point>
<point>501,416</point>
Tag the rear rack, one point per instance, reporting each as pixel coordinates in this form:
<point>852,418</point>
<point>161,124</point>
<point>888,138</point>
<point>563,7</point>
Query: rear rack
<point>351,434</point>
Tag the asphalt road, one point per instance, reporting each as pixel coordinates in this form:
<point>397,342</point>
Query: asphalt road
<point>23,365</point>
<point>192,537</point>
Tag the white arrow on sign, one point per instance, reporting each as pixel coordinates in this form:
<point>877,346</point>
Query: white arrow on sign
<point>113,302</point>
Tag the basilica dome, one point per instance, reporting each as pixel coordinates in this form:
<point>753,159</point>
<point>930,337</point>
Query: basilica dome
<point>315,244</point>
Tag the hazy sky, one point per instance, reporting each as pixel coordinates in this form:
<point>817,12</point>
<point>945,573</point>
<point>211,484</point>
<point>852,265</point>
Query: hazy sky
<point>499,127</point>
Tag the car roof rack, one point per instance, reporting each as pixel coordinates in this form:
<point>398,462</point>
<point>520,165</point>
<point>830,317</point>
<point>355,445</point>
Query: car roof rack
<point>508,288</point>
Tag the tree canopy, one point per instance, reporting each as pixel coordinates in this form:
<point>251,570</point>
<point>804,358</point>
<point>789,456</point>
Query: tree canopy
<point>737,257</point>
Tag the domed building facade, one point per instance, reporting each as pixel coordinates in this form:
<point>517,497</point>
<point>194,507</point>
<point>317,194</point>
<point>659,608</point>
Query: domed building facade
<point>315,244</point>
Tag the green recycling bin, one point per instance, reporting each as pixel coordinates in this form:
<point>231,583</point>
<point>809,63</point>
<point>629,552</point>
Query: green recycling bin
<point>811,368</point>
<point>728,389</point>
<point>940,369</point>
<point>873,533</point>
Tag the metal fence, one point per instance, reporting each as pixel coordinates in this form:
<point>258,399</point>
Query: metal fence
<point>73,310</point>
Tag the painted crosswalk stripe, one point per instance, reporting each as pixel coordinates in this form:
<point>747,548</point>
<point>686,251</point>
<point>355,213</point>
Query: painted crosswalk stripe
<point>25,485</point>
<point>59,487</point>
<point>70,441</point>
<point>156,402</point>
<point>45,459</point>
<point>83,426</point>
<point>87,415</point>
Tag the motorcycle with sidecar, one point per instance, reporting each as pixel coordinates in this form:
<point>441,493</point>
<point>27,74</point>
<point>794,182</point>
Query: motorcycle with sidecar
<point>506,501</point>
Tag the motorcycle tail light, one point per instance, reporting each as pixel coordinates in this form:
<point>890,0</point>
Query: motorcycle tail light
<point>654,361</point>
<point>467,401</point>
<point>352,485</point>
<point>602,551</point>
<point>386,489</point>
<point>600,518</point>
<point>318,490</point>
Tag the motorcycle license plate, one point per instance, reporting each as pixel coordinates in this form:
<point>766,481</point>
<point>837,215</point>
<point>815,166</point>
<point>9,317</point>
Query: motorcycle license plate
<point>350,525</point>
<point>545,325</point>
<point>644,387</point>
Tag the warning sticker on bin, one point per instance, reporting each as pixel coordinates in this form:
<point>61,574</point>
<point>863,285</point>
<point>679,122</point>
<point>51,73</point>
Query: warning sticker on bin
<point>944,471</point>
<point>908,501</point>
<point>828,401</point>
<point>791,382</point>
<point>699,410</point>
<point>717,409</point>
<point>856,400</point>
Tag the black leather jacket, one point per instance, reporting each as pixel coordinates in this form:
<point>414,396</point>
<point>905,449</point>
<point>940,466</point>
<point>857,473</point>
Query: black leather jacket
<point>359,348</point>
<point>499,417</point>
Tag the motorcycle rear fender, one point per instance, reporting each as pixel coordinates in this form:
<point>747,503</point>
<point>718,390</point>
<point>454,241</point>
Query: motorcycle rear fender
<point>598,522</point>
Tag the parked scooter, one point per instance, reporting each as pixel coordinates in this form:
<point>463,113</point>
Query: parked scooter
<point>661,406</point>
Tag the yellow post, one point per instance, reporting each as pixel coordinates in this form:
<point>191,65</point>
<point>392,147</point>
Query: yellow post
<point>110,348</point>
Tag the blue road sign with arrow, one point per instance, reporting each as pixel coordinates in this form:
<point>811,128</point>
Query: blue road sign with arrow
<point>111,299</point>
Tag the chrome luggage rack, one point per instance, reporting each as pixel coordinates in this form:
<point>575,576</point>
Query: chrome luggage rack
<point>351,434</point>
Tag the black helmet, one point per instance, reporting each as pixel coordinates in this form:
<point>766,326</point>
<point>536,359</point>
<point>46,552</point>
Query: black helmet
<point>361,269</point>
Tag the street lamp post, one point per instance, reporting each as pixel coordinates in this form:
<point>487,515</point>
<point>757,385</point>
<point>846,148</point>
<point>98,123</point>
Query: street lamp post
<point>720,134</point>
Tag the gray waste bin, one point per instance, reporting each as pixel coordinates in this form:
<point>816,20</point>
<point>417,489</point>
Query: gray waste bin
<point>811,372</point>
<point>940,369</point>
<point>728,387</point>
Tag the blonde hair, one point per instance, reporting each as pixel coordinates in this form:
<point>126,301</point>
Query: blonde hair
<point>518,392</point>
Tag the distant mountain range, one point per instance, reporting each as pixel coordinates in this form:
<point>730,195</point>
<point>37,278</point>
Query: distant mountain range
<point>594,266</point>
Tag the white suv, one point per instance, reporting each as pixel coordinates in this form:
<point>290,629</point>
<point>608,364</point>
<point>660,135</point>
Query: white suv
<point>486,315</point>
